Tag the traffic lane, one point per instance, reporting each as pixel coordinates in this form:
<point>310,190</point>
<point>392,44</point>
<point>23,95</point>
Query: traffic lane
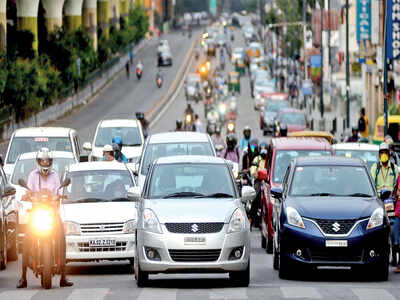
<point>123,97</point>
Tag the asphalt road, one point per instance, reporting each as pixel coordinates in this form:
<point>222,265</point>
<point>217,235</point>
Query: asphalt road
<point>115,280</point>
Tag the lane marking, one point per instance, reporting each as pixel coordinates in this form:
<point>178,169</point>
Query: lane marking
<point>300,292</point>
<point>92,294</point>
<point>164,294</point>
<point>373,294</point>
<point>229,293</point>
<point>19,294</point>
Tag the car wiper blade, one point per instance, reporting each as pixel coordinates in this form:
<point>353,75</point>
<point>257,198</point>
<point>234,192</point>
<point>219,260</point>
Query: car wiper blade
<point>183,194</point>
<point>120,199</point>
<point>132,145</point>
<point>87,200</point>
<point>322,194</point>
<point>358,195</point>
<point>216,195</point>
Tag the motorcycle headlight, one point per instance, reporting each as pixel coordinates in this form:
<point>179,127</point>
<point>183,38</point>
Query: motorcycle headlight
<point>231,126</point>
<point>130,226</point>
<point>294,218</point>
<point>150,222</point>
<point>376,218</point>
<point>188,118</point>
<point>237,222</point>
<point>42,220</point>
<point>222,108</point>
<point>72,228</point>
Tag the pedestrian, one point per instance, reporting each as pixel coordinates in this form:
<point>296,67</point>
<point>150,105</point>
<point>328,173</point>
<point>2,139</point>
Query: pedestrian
<point>363,124</point>
<point>197,124</point>
<point>131,56</point>
<point>127,69</point>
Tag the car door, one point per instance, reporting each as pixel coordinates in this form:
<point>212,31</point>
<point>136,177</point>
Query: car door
<point>9,206</point>
<point>279,203</point>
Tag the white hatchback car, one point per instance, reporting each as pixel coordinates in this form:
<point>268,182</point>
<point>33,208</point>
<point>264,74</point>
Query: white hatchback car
<point>99,219</point>
<point>129,130</point>
<point>369,153</point>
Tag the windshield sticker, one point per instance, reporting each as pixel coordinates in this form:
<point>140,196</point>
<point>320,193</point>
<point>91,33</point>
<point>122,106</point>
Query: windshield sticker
<point>299,169</point>
<point>348,154</point>
<point>41,139</point>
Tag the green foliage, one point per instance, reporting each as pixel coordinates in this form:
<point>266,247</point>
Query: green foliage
<point>394,109</point>
<point>21,45</point>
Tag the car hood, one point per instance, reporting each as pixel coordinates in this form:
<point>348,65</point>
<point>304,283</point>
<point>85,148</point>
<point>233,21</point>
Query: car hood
<point>130,152</point>
<point>191,89</point>
<point>337,208</point>
<point>193,210</point>
<point>100,212</point>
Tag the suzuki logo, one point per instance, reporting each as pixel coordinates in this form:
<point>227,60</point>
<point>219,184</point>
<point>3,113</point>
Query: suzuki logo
<point>195,228</point>
<point>336,227</point>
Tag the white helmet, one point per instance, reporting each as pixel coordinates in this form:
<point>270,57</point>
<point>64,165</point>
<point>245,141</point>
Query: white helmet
<point>44,159</point>
<point>383,146</point>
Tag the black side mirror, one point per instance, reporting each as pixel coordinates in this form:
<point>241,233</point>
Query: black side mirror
<point>277,193</point>
<point>1,160</point>
<point>9,191</point>
<point>22,183</point>
<point>65,183</point>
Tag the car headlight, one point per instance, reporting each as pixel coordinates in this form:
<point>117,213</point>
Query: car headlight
<point>237,222</point>
<point>294,218</point>
<point>130,226</point>
<point>150,222</point>
<point>71,228</point>
<point>376,218</point>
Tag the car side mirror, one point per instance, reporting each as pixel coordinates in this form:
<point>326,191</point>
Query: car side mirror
<point>87,146</point>
<point>83,158</point>
<point>134,194</point>
<point>22,183</point>
<point>9,190</point>
<point>248,194</point>
<point>277,193</point>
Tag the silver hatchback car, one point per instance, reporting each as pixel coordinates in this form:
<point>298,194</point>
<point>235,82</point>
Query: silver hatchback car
<point>191,219</point>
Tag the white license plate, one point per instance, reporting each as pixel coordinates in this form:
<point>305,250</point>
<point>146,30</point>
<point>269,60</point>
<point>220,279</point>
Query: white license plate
<point>195,240</point>
<point>336,243</point>
<point>102,243</point>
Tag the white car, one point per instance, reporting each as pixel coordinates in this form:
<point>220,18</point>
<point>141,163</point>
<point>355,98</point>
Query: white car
<point>171,144</point>
<point>129,130</point>
<point>99,219</point>
<point>369,153</point>
<point>24,165</point>
<point>34,138</point>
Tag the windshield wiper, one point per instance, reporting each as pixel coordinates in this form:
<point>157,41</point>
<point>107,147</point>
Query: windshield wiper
<point>120,199</point>
<point>322,194</point>
<point>358,195</point>
<point>216,195</point>
<point>87,200</point>
<point>132,145</point>
<point>183,194</point>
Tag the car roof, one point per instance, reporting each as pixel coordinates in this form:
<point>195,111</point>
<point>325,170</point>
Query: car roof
<point>97,165</point>
<point>301,143</point>
<point>190,159</point>
<point>178,137</point>
<point>328,161</point>
<point>55,154</point>
<point>356,146</point>
<point>119,123</point>
<point>43,132</point>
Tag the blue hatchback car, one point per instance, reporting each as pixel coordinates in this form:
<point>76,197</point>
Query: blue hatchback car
<point>329,214</point>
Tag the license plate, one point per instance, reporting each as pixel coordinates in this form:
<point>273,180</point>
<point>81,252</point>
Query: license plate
<point>102,243</point>
<point>194,240</point>
<point>336,243</point>
<point>389,207</point>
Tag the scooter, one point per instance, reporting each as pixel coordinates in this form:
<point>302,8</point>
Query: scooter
<point>159,81</point>
<point>189,123</point>
<point>230,127</point>
<point>139,73</point>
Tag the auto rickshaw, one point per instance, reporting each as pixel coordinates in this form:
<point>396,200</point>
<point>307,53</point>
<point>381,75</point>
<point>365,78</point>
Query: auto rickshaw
<point>234,82</point>
<point>240,66</point>
<point>316,134</point>
<point>393,129</point>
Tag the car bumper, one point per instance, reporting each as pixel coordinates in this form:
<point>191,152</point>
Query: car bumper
<point>164,243</point>
<point>78,248</point>
<point>312,244</point>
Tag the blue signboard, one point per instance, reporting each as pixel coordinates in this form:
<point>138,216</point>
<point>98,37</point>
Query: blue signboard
<point>393,29</point>
<point>363,20</point>
<point>307,87</point>
<point>213,7</point>
<point>315,61</point>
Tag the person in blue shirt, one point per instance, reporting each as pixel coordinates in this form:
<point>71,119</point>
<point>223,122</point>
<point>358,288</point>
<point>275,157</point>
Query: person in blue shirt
<point>117,147</point>
<point>244,142</point>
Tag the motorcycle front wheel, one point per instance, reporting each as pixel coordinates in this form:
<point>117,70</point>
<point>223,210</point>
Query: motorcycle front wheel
<point>47,262</point>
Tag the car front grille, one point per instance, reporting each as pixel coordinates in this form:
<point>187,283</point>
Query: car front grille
<point>335,226</point>
<point>102,228</point>
<point>194,255</point>
<point>336,254</point>
<point>119,247</point>
<point>194,227</point>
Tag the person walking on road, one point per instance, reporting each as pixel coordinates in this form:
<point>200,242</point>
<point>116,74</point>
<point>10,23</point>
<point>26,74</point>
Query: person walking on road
<point>197,124</point>
<point>363,124</point>
<point>127,69</point>
<point>131,56</point>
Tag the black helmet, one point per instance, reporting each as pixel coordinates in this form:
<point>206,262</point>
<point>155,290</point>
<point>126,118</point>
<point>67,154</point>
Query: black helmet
<point>283,129</point>
<point>247,132</point>
<point>179,124</point>
<point>218,129</point>
<point>231,141</point>
<point>263,145</point>
<point>139,115</point>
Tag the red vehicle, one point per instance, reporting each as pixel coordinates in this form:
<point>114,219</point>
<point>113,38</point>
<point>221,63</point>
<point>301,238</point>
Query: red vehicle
<point>294,119</point>
<point>280,152</point>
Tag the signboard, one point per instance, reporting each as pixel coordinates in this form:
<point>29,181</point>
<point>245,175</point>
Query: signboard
<point>307,87</point>
<point>363,20</point>
<point>375,22</point>
<point>393,29</point>
<point>315,61</point>
<point>213,7</point>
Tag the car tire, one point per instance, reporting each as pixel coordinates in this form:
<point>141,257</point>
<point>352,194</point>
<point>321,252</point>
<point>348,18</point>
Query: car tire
<point>269,247</point>
<point>241,278</point>
<point>132,264</point>
<point>263,241</point>
<point>284,267</point>
<point>141,277</point>
<point>12,253</point>
<point>3,255</point>
<point>380,271</point>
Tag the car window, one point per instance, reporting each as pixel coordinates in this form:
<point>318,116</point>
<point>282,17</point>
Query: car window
<point>205,179</point>
<point>98,186</point>
<point>284,157</point>
<point>154,151</point>
<point>333,180</point>
<point>24,167</point>
<point>369,157</point>
<point>275,106</point>
<point>20,145</point>
<point>294,119</point>
<point>130,136</point>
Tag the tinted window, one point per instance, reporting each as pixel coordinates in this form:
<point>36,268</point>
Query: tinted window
<point>369,157</point>
<point>294,119</point>
<point>130,136</point>
<point>275,106</point>
<point>334,180</point>
<point>205,179</point>
<point>20,145</point>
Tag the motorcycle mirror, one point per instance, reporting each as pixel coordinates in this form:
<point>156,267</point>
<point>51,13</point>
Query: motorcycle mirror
<point>22,183</point>
<point>65,183</point>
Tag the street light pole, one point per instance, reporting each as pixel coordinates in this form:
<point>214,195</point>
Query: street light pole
<point>347,67</point>
<point>385,83</point>
<point>321,103</point>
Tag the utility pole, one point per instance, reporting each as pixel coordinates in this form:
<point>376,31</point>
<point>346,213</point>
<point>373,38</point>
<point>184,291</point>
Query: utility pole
<point>321,103</point>
<point>305,38</point>
<point>385,83</point>
<point>347,67</point>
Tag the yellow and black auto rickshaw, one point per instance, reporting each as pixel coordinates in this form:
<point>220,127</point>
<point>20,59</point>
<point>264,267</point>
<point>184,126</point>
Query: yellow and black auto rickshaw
<point>234,82</point>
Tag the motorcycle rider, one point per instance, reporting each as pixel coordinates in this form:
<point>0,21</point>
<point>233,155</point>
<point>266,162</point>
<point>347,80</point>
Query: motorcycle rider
<point>139,66</point>
<point>145,124</point>
<point>394,157</point>
<point>108,153</point>
<point>189,110</point>
<point>231,152</point>
<point>159,75</point>
<point>354,135</point>
<point>384,172</point>
<point>44,178</point>
<point>217,138</point>
<point>244,142</point>
<point>249,154</point>
<point>179,125</point>
<point>117,144</point>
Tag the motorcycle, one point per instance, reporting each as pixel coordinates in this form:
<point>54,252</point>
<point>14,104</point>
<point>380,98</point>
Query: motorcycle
<point>197,55</point>
<point>389,205</point>
<point>189,123</point>
<point>139,73</point>
<point>45,261</point>
<point>159,81</point>
<point>230,127</point>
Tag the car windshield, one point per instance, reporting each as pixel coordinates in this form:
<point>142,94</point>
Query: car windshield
<point>263,82</point>
<point>24,167</point>
<point>154,151</point>
<point>191,180</point>
<point>352,181</point>
<point>275,106</point>
<point>369,157</point>
<point>20,145</point>
<point>130,136</point>
<point>283,158</point>
<point>98,186</point>
<point>294,119</point>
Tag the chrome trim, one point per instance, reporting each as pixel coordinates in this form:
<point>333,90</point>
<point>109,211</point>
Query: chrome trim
<point>336,235</point>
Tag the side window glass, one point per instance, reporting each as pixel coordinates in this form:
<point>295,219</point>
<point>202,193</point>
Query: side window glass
<point>284,183</point>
